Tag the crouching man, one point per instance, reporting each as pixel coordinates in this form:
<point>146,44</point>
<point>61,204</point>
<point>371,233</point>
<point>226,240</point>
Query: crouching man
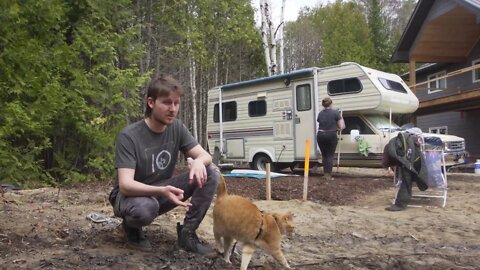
<point>146,156</point>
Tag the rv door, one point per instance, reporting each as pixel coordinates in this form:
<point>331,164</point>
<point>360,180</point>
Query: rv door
<point>304,119</point>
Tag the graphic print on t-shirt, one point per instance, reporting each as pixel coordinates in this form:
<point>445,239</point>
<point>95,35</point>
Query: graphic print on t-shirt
<point>159,159</point>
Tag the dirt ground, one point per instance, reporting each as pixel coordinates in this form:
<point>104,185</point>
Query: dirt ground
<point>342,225</point>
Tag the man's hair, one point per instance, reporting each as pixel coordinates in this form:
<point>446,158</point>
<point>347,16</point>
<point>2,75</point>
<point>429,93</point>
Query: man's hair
<point>162,86</point>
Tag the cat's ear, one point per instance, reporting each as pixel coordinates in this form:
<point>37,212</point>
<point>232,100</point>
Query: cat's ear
<point>289,215</point>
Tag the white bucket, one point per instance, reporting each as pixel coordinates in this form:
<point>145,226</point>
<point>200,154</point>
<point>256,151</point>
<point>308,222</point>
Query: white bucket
<point>354,133</point>
<point>477,167</point>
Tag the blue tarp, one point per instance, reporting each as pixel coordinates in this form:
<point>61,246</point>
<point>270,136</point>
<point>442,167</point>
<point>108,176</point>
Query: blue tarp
<point>253,174</point>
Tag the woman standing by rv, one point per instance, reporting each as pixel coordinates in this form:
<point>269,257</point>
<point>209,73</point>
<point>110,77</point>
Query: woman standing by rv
<point>329,122</point>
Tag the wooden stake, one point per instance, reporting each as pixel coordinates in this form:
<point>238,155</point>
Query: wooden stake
<point>306,169</point>
<point>269,189</point>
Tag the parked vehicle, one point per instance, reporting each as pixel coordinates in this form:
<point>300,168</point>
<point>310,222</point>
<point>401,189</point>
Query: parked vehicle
<point>269,120</point>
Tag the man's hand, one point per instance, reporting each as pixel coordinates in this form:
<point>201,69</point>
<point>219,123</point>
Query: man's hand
<point>198,172</point>
<point>175,195</point>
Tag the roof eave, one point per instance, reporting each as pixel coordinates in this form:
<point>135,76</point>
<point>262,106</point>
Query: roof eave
<point>419,14</point>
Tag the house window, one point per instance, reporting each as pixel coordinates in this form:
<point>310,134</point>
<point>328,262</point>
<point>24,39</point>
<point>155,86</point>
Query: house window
<point>257,108</point>
<point>476,72</point>
<point>438,130</point>
<point>435,84</point>
<point>229,112</point>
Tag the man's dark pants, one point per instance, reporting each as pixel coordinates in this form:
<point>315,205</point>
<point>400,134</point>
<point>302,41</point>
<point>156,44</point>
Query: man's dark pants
<point>141,211</point>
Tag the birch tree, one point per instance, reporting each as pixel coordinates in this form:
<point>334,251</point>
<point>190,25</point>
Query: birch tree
<point>280,29</point>
<point>264,25</point>
<point>193,87</point>
<point>273,43</point>
<point>269,37</point>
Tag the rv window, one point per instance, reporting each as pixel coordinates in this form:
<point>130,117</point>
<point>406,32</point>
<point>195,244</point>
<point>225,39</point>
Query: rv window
<point>381,122</point>
<point>355,122</point>
<point>304,97</point>
<point>229,112</point>
<point>392,85</point>
<point>344,86</point>
<point>257,108</point>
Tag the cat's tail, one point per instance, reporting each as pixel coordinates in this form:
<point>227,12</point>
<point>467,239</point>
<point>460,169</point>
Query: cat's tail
<point>222,187</point>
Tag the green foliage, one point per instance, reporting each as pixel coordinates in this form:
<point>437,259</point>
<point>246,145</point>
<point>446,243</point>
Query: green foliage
<point>211,32</point>
<point>68,83</point>
<point>29,80</point>
<point>346,37</point>
<point>72,74</point>
<point>379,34</point>
<point>360,31</point>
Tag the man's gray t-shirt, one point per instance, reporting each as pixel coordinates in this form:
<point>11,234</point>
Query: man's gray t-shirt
<point>152,155</point>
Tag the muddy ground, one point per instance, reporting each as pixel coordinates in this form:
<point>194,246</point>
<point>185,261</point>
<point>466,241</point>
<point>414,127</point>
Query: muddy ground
<point>342,225</point>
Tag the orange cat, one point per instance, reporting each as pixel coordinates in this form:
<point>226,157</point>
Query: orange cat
<point>237,218</point>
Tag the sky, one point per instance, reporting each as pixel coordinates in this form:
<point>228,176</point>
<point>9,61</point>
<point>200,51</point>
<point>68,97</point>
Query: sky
<point>292,7</point>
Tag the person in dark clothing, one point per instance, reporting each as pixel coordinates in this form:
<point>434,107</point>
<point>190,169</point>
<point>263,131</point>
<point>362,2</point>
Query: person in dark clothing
<point>145,159</point>
<point>329,122</point>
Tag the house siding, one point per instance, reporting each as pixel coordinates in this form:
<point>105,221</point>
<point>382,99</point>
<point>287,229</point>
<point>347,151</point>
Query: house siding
<point>463,124</point>
<point>459,116</point>
<point>460,124</point>
<point>455,84</point>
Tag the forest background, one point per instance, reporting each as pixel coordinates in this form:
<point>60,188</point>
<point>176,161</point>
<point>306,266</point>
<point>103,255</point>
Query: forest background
<point>73,72</point>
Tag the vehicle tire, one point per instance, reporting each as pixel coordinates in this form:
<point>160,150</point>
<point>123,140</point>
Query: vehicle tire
<point>260,162</point>
<point>293,166</point>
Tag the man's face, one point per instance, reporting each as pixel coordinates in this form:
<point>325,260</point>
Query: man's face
<point>165,109</point>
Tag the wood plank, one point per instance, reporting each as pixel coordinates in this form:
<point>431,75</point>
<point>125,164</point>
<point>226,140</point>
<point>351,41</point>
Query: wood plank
<point>475,94</point>
<point>450,74</point>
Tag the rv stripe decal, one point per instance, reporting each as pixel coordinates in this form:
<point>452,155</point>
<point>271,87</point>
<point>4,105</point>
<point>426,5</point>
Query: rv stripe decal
<point>230,97</point>
<point>361,77</point>
<point>241,133</point>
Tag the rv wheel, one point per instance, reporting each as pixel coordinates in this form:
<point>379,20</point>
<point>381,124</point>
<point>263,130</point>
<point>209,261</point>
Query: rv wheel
<point>260,161</point>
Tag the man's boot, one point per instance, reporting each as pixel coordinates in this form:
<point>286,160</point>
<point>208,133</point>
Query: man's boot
<point>136,238</point>
<point>395,208</point>
<point>188,240</point>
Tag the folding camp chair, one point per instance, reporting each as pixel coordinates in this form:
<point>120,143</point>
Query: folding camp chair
<point>432,150</point>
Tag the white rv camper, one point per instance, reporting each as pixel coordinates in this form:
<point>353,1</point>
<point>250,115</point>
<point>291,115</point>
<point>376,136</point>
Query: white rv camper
<point>269,120</point>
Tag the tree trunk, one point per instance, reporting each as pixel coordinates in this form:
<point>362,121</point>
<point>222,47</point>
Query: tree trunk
<point>193,86</point>
<point>280,31</point>
<point>265,36</point>
<point>271,30</point>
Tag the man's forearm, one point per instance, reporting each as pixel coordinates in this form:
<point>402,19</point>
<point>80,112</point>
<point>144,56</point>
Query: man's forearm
<point>206,159</point>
